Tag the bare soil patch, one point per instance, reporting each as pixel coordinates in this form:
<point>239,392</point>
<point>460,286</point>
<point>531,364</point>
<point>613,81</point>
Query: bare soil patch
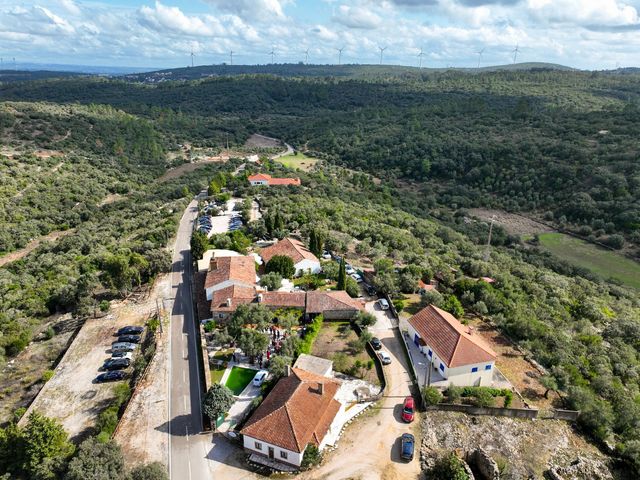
<point>511,222</point>
<point>33,244</point>
<point>257,140</point>
<point>190,167</point>
<point>48,153</point>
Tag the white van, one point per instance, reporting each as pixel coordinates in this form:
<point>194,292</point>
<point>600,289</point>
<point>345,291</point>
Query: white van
<point>123,347</point>
<point>384,305</point>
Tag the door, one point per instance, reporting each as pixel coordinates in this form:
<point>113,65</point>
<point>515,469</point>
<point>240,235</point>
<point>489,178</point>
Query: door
<point>271,453</point>
<point>416,340</point>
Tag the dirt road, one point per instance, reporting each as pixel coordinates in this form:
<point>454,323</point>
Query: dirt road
<point>370,447</point>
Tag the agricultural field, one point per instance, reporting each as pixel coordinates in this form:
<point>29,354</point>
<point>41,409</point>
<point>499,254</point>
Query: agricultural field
<point>298,161</point>
<point>598,260</point>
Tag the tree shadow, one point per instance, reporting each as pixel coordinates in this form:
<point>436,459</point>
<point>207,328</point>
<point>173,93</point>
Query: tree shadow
<point>179,426</point>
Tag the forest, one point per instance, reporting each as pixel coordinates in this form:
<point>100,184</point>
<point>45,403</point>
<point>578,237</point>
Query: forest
<point>557,145</point>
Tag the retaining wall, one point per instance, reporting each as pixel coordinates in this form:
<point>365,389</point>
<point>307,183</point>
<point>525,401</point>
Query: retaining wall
<point>529,413</point>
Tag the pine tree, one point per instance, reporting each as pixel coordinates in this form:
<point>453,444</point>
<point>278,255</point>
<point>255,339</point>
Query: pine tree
<point>342,276</point>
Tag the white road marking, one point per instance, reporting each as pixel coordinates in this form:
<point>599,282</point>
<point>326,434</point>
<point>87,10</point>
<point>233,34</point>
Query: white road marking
<point>184,400</point>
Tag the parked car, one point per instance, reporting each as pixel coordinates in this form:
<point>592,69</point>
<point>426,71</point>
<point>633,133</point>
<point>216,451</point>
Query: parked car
<point>128,355</point>
<point>408,409</point>
<point>384,357</point>
<point>326,255</point>
<point>357,277</point>
<point>111,376</point>
<point>407,445</point>
<point>129,338</point>
<point>383,304</point>
<point>260,377</point>
<point>116,364</point>
<point>349,269</point>
<point>122,347</point>
<point>376,343</point>
<point>130,330</point>
<point>370,290</point>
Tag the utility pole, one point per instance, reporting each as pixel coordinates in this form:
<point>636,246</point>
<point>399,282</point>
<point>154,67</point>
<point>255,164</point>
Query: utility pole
<point>486,253</point>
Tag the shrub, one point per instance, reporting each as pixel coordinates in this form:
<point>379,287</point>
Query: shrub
<point>431,395</point>
<point>210,326</point>
<point>448,467</point>
<point>311,457</point>
<point>453,394</point>
<point>365,319</point>
<point>399,304</point>
<point>271,281</point>
<point>310,335</point>
<point>340,362</point>
<point>105,305</point>
<point>281,264</point>
<point>484,398</point>
<point>47,375</point>
<point>508,398</point>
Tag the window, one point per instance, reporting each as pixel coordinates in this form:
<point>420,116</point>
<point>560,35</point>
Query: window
<point>430,353</point>
<point>488,367</point>
<point>258,445</point>
<point>283,454</point>
<point>221,315</point>
<point>474,369</point>
<point>442,367</point>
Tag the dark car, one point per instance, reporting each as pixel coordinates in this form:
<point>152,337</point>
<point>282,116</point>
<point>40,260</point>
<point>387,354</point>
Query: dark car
<point>370,290</point>
<point>406,446</point>
<point>376,343</point>
<point>130,330</point>
<point>408,409</point>
<point>129,338</point>
<point>110,376</point>
<point>116,364</point>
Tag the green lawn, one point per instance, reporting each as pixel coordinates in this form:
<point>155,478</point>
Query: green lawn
<point>239,378</point>
<point>216,373</point>
<point>603,262</point>
<point>299,161</point>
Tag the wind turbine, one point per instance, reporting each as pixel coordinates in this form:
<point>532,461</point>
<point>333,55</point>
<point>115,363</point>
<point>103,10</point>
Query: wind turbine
<point>382,49</point>
<point>480,52</point>
<point>192,55</point>
<point>272,53</point>
<point>515,53</point>
<point>14,64</point>
<point>231,57</point>
<point>420,55</point>
<point>340,55</point>
<point>306,56</point>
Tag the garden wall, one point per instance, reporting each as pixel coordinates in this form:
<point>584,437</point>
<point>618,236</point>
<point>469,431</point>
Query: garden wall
<point>379,367</point>
<point>529,413</point>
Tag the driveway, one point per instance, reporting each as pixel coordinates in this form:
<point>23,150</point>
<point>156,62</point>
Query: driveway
<point>370,447</point>
<point>384,318</point>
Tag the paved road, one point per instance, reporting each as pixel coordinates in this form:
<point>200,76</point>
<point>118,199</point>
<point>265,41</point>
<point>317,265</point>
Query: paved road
<point>188,448</point>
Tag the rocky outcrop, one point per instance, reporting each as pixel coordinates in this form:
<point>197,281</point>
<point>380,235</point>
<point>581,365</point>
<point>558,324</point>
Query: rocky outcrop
<point>580,469</point>
<point>483,464</point>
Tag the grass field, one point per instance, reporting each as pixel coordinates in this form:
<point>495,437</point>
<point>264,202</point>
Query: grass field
<point>603,262</point>
<point>239,378</point>
<point>299,161</point>
<point>216,373</point>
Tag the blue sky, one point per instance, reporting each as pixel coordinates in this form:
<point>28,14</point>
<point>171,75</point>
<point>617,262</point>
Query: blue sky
<point>596,34</point>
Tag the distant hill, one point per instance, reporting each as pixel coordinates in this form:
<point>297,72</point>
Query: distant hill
<point>7,76</point>
<point>352,71</point>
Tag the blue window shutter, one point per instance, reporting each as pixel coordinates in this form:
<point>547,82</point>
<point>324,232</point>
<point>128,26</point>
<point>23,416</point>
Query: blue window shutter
<point>442,367</point>
<point>488,367</point>
<point>430,352</point>
<point>474,369</point>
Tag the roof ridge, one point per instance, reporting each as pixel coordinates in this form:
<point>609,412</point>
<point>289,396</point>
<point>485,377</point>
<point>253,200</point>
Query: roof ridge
<point>286,409</point>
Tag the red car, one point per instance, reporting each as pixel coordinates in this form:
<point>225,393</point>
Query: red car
<point>408,409</point>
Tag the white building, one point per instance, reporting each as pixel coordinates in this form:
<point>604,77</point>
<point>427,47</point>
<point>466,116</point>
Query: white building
<point>303,259</point>
<point>455,353</point>
<point>297,412</point>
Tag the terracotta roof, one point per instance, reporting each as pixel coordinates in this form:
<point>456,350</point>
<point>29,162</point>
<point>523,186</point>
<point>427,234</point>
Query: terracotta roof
<point>289,247</point>
<point>263,177</point>
<point>284,299</point>
<point>295,413</point>
<point>239,294</point>
<point>426,286</point>
<point>240,269</point>
<point>318,302</point>
<point>487,279</point>
<point>453,342</point>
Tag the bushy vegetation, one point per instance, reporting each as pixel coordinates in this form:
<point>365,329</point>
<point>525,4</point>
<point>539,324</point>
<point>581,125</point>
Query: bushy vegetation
<point>310,334</point>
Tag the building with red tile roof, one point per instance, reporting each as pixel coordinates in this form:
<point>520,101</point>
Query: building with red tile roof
<point>298,411</point>
<point>265,179</point>
<point>455,351</point>
<point>303,259</point>
<point>333,305</point>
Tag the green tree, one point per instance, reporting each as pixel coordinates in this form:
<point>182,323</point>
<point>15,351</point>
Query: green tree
<point>199,245</point>
<point>254,314</point>
<point>96,460</point>
<point>365,319</point>
<point>484,398</point>
<point>217,401</point>
<point>312,456</point>
<point>342,276</point>
<point>281,264</point>
<point>150,471</point>
<point>278,366</point>
<point>271,281</point>
<point>431,395</point>
<point>549,382</point>
<point>448,466</point>
<point>452,305</point>
<point>43,438</point>
<point>253,342</point>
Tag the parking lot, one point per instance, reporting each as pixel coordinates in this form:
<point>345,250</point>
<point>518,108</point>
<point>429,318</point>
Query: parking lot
<point>229,218</point>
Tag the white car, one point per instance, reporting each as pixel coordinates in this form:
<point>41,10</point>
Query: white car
<point>349,269</point>
<point>384,357</point>
<point>384,305</point>
<point>260,377</point>
<point>357,277</point>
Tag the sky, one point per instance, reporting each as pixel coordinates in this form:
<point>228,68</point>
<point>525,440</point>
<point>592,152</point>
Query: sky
<point>589,34</point>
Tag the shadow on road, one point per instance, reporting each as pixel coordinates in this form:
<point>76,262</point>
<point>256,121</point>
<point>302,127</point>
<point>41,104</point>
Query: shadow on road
<point>177,426</point>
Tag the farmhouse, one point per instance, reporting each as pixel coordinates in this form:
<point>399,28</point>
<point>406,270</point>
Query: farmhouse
<point>303,259</point>
<point>454,351</point>
<point>268,180</point>
<point>333,305</point>
<point>230,281</point>
<point>299,411</point>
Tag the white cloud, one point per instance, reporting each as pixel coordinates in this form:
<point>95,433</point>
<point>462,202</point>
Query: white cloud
<point>356,17</point>
<point>172,18</point>
<point>584,12</point>
<point>252,9</point>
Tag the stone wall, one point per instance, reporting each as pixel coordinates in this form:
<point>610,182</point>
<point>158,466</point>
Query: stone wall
<point>529,413</point>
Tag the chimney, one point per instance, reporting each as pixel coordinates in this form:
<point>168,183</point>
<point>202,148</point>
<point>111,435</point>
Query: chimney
<point>260,298</point>
<point>228,302</point>
<point>213,264</point>
<point>288,373</point>
<point>320,388</point>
